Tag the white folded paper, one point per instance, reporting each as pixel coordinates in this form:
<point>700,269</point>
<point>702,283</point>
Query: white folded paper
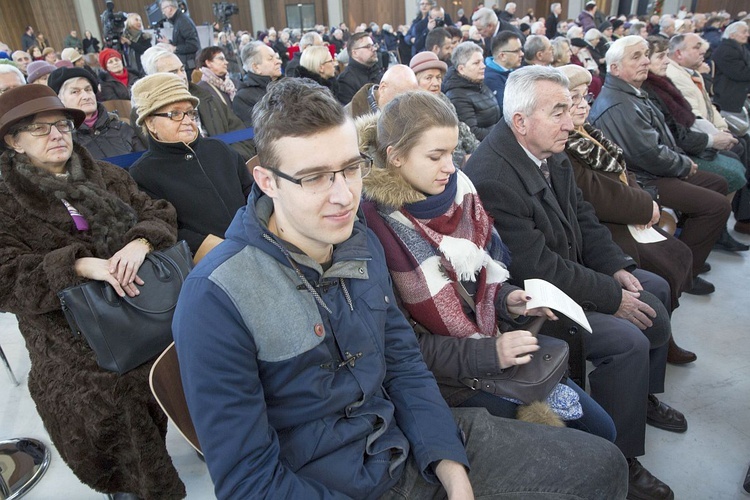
<point>545,294</point>
<point>648,235</point>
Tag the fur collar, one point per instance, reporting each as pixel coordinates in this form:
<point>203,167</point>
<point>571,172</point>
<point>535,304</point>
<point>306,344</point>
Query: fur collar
<point>384,185</point>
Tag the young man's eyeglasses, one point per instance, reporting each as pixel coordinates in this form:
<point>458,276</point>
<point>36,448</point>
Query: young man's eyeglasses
<point>40,129</point>
<point>178,116</point>
<point>370,46</point>
<point>322,181</point>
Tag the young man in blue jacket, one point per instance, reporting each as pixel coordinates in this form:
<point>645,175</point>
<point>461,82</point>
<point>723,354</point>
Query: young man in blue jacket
<point>302,376</point>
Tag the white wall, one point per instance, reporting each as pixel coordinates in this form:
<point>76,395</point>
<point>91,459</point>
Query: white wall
<point>88,17</point>
<point>258,14</point>
<point>335,12</point>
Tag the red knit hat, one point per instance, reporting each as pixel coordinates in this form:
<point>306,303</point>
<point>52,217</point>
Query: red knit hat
<point>105,55</point>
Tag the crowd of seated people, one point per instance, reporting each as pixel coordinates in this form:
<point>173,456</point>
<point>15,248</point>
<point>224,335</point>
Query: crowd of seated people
<point>542,146</point>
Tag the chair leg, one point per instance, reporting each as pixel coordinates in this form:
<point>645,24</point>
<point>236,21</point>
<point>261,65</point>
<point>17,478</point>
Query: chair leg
<point>7,365</point>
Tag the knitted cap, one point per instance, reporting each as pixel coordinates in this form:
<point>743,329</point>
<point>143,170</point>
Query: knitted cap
<point>61,75</point>
<point>605,26</point>
<point>38,69</point>
<point>617,23</point>
<point>427,60</point>
<point>107,54</point>
<point>70,54</point>
<point>577,75</point>
<point>156,91</point>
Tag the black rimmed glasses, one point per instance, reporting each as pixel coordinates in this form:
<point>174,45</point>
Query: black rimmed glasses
<point>322,181</point>
<point>40,129</point>
<point>178,115</point>
<point>516,51</point>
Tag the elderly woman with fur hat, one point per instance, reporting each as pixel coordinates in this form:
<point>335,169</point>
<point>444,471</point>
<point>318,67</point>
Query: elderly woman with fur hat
<point>66,219</point>
<point>448,265</point>
<point>619,201</point>
<point>205,179</point>
<point>102,133</point>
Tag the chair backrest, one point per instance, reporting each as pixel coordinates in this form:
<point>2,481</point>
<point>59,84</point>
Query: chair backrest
<point>166,385</point>
<point>120,106</point>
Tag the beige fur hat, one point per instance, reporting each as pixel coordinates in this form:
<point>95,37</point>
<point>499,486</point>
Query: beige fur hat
<point>156,91</point>
<point>576,74</point>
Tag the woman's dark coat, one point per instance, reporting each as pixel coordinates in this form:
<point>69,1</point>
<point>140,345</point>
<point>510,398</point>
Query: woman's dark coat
<point>475,103</point>
<point>112,89</point>
<point>206,181</point>
<point>108,137</point>
<point>251,89</point>
<point>732,80</point>
<point>107,427</point>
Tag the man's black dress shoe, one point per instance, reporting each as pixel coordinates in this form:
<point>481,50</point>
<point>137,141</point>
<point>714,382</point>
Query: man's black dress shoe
<point>706,267</point>
<point>664,416</point>
<point>701,287</point>
<point>642,485</point>
<point>679,356</point>
<point>729,244</point>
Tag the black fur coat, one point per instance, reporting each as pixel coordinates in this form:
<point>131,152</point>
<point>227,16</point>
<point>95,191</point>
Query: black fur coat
<point>107,427</point>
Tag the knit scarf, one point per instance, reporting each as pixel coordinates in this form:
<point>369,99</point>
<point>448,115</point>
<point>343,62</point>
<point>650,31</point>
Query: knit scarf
<point>677,105</point>
<point>605,156</point>
<point>122,77</point>
<point>432,244</point>
<point>108,216</point>
<point>225,84</point>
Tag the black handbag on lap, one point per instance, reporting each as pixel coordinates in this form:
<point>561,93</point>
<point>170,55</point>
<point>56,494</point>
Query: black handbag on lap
<point>125,332</point>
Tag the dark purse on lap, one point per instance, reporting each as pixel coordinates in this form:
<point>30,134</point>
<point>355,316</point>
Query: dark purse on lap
<point>126,332</point>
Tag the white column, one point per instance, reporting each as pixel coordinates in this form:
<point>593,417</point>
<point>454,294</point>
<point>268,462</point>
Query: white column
<point>575,7</point>
<point>335,12</point>
<point>411,7</point>
<point>258,13</point>
<point>88,18</point>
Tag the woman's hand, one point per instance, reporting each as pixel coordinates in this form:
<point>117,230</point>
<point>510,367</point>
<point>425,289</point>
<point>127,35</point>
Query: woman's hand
<point>125,264</point>
<point>515,348</point>
<point>516,304</point>
<point>98,269</point>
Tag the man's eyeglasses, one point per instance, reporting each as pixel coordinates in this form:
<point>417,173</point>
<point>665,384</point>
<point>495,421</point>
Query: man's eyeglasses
<point>178,116</point>
<point>322,181</point>
<point>589,98</point>
<point>371,46</point>
<point>40,129</point>
<point>517,51</point>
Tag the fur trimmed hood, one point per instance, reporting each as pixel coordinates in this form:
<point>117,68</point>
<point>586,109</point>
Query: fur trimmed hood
<point>384,185</point>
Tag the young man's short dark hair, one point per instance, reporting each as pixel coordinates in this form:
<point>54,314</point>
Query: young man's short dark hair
<point>436,38</point>
<point>356,37</point>
<point>500,41</point>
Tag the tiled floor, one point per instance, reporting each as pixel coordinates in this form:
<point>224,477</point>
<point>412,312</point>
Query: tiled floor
<point>707,462</point>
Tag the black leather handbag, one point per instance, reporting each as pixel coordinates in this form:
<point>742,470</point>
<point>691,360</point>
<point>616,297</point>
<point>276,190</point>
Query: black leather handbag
<point>125,332</point>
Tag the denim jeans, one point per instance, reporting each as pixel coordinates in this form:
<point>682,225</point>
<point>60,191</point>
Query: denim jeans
<point>594,420</point>
<point>512,459</point>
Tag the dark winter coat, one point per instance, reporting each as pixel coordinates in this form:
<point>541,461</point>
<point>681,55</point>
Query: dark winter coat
<point>90,45</point>
<point>185,39</point>
<point>112,89</point>
<point>206,181</point>
<point>107,427</point>
<point>713,36</point>
<point>28,41</point>
<point>732,80</point>
<point>475,103</point>
<point>291,68</point>
<point>354,77</point>
<point>331,83</point>
<point>109,137</point>
<point>252,88</point>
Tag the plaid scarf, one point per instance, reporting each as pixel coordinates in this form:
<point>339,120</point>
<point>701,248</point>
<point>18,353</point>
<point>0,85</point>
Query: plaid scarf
<point>432,244</point>
<point>225,84</point>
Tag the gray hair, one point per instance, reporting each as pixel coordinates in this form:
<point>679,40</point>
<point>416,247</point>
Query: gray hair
<point>574,32</point>
<point>554,6</point>
<point>173,3</point>
<point>67,83</point>
<point>463,52</point>
<point>677,42</point>
<point>152,56</point>
<point>251,54</point>
<point>635,28</point>
<point>732,28</point>
<point>666,21</point>
<point>520,94</point>
<point>484,17</point>
<point>11,68</point>
<point>535,26</point>
<point>591,34</point>
<point>534,44</point>
<point>616,51</point>
<point>307,40</point>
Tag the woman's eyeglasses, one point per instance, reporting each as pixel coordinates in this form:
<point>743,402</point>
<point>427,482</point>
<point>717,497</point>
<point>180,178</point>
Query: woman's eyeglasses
<point>178,116</point>
<point>40,129</point>
<point>589,98</point>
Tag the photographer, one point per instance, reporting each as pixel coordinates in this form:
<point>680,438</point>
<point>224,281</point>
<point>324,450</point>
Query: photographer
<point>134,41</point>
<point>185,43</point>
<point>436,19</point>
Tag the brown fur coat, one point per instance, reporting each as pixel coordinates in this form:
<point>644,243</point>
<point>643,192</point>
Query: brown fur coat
<point>107,427</point>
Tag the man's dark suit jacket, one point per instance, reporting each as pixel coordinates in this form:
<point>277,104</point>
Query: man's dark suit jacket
<point>552,235</point>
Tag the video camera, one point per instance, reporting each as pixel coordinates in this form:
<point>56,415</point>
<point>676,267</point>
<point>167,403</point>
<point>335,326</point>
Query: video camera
<point>223,11</point>
<point>113,25</point>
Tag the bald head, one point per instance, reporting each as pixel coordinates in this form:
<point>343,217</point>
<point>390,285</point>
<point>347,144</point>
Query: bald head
<point>397,80</point>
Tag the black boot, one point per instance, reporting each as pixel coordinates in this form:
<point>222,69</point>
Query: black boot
<point>729,244</point>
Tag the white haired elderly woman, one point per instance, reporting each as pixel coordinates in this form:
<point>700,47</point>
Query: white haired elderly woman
<point>464,85</point>
<point>317,64</point>
<point>262,66</point>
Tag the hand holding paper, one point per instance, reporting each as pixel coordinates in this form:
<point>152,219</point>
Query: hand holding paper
<point>545,294</point>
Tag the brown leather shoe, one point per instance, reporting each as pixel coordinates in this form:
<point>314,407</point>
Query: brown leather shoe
<point>679,356</point>
<point>642,485</point>
<point>663,416</point>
